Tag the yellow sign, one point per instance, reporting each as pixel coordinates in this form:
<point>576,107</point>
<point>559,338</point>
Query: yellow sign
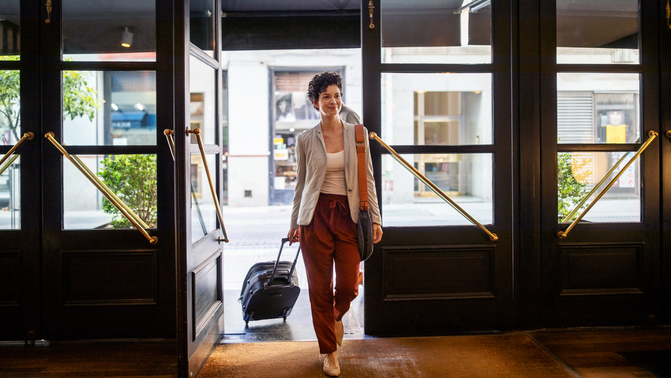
<point>616,133</point>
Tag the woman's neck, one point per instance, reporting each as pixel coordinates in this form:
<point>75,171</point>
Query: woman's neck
<point>331,123</point>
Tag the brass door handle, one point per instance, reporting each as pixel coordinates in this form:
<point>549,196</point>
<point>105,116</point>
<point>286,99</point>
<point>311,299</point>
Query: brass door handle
<point>652,135</point>
<point>123,208</point>
<point>215,198</point>
<point>668,134</point>
<point>440,193</point>
<point>26,136</point>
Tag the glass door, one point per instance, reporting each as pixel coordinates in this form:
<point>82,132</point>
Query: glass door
<point>198,155</point>
<point>439,97</point>
<point>600,163</point>
<point>86,222</point>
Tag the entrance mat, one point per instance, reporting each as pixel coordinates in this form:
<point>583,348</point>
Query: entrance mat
<point>488,356</point>
<point>656,362</point>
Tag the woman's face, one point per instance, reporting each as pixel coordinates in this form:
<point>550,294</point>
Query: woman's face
<point>330,101</point>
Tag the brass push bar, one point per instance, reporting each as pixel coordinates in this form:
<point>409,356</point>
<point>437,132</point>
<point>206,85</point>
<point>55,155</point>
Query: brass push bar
<point>652,135</point>
<point>209,179</point>
<point>11,151</point>
<point>168,135</point>
<point>103,189</point>
<point>440,193</point>
<point>594,189</point>
<point>9,164</point>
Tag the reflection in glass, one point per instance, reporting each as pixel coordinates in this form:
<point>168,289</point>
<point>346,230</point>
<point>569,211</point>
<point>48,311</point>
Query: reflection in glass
<point>10,105</point>
<point>579,172</point>
<point>120,30</point>
<point>109,108</point>
<point>203,209</point>
<point>598,32</point>
<point>10,194</point>
<point>598,108</point>
<point>203,99</point>
<point>427,31</point>
<point>201,26</point>
<point>10,27</point>
<point>466,178</point>
<point>437,109</point>
<point>131,177</point>
<point>224,137</point>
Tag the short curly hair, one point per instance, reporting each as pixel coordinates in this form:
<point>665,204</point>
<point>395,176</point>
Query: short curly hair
<point>320,82</point>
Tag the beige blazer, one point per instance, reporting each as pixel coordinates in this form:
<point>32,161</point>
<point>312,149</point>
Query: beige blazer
<point>311,158</point>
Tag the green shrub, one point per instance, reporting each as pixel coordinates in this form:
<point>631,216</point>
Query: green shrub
<point>133,179</point>
<point>569,190</point>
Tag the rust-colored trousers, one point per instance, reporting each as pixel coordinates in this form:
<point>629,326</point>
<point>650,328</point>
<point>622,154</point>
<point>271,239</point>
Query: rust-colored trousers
<point>330,237</point>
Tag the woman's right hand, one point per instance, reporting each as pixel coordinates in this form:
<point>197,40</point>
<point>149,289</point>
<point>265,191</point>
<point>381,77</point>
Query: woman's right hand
<point>294,236</point>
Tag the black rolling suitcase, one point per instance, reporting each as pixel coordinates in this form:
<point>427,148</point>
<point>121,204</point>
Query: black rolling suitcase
<point>270,289</point>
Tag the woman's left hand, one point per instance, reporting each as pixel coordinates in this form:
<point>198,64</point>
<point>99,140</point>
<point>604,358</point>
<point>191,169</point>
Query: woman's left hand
<point>377,233</point>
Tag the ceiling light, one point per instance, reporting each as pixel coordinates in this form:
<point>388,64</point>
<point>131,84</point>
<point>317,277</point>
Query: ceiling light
<point>139,107</point>
<point>113,105</point>
<point>126,38</point>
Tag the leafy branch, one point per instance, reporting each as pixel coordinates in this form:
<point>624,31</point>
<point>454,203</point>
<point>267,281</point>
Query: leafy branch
<point>79,100</point>
<point>570,190</point>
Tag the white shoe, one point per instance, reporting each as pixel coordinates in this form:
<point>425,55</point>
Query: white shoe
<point>339,332</point>
<point>331,365</point>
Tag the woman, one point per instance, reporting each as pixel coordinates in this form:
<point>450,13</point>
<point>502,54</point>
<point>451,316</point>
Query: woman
<point>325,212</point>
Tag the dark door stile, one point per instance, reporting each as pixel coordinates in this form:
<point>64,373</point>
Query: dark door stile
<point>665,156</point>
<point>437,253</point>
<point>20,249</point>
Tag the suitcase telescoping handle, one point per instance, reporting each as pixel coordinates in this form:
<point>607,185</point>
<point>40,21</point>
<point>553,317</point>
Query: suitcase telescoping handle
<point>293,266</point>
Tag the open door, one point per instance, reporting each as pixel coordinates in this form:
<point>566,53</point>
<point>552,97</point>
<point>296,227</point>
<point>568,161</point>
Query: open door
<point>198,153</point>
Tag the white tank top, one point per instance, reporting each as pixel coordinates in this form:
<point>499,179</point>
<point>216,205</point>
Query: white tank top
<point>334,180</point>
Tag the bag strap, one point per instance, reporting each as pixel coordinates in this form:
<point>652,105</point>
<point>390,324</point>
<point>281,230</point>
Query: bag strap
<point>361,157</point>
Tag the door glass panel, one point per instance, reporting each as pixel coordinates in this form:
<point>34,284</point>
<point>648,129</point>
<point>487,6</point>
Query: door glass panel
<point>10,194</point>
<point>109,108</point>
<point>201,28</point>
<point>598,32</point>
<point>466,178</point>
<point>10,28</point>
<point>203,209</point>
<point>437,109</point>
<point>579,172</point>
<point>598,108</point>
<point>429,31</point>
<point>120,30</point>
<point>203,100</point>
<point>10,105</point>
<point>131,177</point>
